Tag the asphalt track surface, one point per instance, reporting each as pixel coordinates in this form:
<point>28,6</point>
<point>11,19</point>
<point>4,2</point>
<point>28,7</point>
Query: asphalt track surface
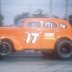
<point>34,62</point>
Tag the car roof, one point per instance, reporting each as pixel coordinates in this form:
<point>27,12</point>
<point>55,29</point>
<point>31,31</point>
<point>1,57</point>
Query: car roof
<point>57,20</point>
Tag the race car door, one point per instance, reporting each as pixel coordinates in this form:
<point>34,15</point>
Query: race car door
<point>50,32</point>
<point>32,34</point>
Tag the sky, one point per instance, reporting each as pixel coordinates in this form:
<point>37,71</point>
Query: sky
<point>11,8</point>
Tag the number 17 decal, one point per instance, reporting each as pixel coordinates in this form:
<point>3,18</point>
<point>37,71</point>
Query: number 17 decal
<point>33,36</point>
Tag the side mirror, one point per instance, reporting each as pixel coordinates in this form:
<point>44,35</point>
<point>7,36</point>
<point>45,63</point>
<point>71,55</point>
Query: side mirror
<point>63,26</point>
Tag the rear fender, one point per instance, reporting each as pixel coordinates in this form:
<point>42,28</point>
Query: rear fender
<point>16,42</point>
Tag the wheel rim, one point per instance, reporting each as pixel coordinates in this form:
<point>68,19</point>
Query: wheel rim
<point>66,49</point>
<point>4,48</point>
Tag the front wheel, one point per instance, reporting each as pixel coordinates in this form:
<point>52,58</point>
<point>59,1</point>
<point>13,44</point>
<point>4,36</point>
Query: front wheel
<point>64,49</point>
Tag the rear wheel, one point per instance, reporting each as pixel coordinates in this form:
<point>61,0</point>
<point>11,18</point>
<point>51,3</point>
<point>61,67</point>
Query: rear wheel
<point>64,49</point>
<point>5,48</point>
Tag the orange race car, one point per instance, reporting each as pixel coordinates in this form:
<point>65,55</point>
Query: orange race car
<point>43,34</point>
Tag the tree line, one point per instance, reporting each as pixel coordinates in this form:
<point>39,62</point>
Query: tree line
<point>38,14</point>
<point>1,20</point>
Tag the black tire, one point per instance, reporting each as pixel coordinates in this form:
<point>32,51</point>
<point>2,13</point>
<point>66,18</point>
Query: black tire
<point>5,48</point>
<point>64,49</point>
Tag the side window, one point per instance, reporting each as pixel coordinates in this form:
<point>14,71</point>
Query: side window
<point>47,25</point>
<point>33,24</point>
<point>53,25</point>
<point>50,25</point>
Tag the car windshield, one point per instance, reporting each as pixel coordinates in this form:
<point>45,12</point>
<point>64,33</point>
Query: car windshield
<point>33,24</point>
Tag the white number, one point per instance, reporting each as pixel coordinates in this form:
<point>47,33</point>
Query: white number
<point>28,38</point>
<point>32,36</point>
